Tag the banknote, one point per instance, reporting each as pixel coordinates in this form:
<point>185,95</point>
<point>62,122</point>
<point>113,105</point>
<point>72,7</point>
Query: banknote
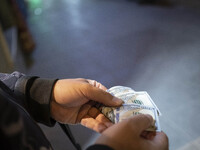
<point>119,90</point>
<point>134,103</point>
<point>127,110</point>
<point>128,95</point>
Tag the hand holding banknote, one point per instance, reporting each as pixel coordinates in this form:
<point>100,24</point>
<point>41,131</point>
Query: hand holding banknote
<point>73,102</point>
<point>130,134</point>
<point>134,103</point>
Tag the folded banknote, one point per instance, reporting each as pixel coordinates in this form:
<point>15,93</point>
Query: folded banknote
<point>134,103</point>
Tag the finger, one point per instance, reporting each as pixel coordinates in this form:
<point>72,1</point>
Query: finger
<point>83,111</point>
<point>101,96</point>
<point>151,135</point>
<point>161,139</point>
<point>141,122</point>
<point>97,84</point>
<point>97,115</point>
<point>101,118</point>
<point>93,124</point>
<point>148,134</point>
<point>93,112</point>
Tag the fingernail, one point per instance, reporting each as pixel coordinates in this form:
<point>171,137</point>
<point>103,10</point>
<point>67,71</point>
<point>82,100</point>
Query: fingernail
<point>117,100</point>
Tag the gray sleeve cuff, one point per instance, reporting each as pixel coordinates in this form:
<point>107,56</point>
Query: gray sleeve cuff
<point>37,94</point>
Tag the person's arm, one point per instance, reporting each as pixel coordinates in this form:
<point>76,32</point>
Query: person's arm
<point>68,101</point>
<point>74,101</point>
<point>33,93</point>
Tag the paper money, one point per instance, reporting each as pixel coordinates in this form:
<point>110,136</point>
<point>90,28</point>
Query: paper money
<point>134,103</point>
<point>129,96</point>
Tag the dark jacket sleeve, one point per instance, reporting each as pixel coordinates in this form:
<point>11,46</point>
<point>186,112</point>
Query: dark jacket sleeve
<point>34,94</point>
<point>99,147</point>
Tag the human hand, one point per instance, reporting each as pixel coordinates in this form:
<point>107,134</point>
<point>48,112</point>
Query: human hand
<point>73,102</point>
<point>130,134</point>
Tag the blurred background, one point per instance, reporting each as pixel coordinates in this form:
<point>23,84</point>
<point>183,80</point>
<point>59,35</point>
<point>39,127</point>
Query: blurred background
<point>151,45</point>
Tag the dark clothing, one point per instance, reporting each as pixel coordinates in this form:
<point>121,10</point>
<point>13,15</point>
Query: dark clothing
<point>99,147</point>
<point>24,101</point>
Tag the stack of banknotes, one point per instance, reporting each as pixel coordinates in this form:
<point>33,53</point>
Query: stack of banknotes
<point>134,103</point>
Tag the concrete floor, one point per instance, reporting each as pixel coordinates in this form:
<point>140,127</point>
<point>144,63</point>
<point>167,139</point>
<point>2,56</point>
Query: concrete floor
<point>151,48</point>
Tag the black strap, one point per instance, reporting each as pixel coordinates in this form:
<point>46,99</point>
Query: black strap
<point>68,132</point>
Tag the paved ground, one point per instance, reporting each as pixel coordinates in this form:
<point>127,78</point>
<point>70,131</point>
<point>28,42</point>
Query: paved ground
<point>150,48</point>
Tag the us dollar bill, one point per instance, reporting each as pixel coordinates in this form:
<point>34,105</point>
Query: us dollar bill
<point>134,103</point>
<point>129,96</point>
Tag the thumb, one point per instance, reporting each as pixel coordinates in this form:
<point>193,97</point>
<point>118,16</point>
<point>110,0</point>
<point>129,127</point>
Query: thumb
<point>141,122</point>
<point>101,96</point>
<point>161,140</point>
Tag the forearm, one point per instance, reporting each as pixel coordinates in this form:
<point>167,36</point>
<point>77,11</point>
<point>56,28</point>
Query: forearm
<point>33,93</point>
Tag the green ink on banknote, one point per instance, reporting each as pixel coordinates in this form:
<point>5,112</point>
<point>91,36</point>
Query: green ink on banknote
<point>138,102</point>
